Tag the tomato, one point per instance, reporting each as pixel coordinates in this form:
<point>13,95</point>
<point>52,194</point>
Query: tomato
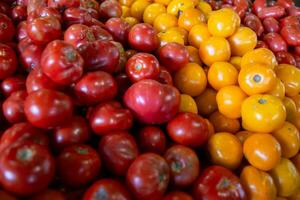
<point>165,76</point>
<point>152,11</point>
<point>278,89</point>
<point>138,7</point>
<point>221,74</point>
<point>109,9</point>
<point>8,61</point>
<point>286,177</point>
<point>176,195</point>
<point>7,28</point>
<point>61,4</point>
<point>198,34</point>
<point>204,7</point>
<point>222,123</point>
<point>217,182</point>
<point>190,17</point>
<point>271,25</point>
<point>291,108</point>
<point>275,42</point>
<point>119,29</point>
<point>131,21</point>
<point>257,184</point>
<point>153,172</point>
<point>194,55</point>
<point>38,104</point>
<point>291,34</point>
<point>78,16</point>
<point>290,76</point>
<point>143,37</point>
<point>21,161</point>
<point>79,34</point>
<point>171,35</point>
<point>187,104</point>
<point>118,150</point>
<point>152,139</point>
<point>178,31</point>
<point>106,188</point>
<point>78,165</point>
<point>256,79</point>
<point>206,102</point>
<point>30,56</point>
<point>152,102</point>
<point>44,12</point>
<point>243,135</point>
<point>6,196</point>
<point>19,13</point>
<point>191,79</point>
<point>173,56</point>
<point>214,49</point>
<point>164,2</point>
<point>48,195</point>
<point>176,7</point>
<point>262,113</point>
<point>260,55</point>
<point>286,58</point>
<point>253,22</point>
<point>164,21</point>
<point>110,116</point>
<point>12,84</point>
<point>188,129</point>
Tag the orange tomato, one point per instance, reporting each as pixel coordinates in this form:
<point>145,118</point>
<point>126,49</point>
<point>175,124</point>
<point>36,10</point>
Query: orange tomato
<point>198,34</point>
<point>222,123</point>
<point>229,100</point>
<point>278,90</point>
<point>181,31</point>
<point>260,55</point>
<point>187,104</point>
<point>256,79</point>
<point>290,76</point>
<point>126,2</point>
<point>164,2</point>
<point>221,74</point>
<point>204,7</point>
<point>242,41</point>
<point>286,178</point>
<point>152,11</point>
<point>243,135</point>
<point>262,151</point>
<point>191,79</point>
<point>170,36</point>
<point>190,17</point>
<point>225,149</point>
<point>214,49</point>
<point>262,113</point>
<point>176,7</point>
<point>258,184</point>
<point>206,102</point>
<point>164,21</point>
<point>236,62</point>
<point>290,107</point>
<point>131,21</point>
<point>125,11</point>
<point>289,139</point>
<point>137,9</point>
<point>296,100</point>
<point>193,55</point>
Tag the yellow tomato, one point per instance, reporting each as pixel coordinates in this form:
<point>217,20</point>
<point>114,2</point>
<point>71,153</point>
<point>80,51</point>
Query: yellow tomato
<point>152,11</point>
<point>289,139</point>
<point>258,184</point>
<point>262,151</point>
<point>190,18</point>
<point>170,36</point>
<point>296,99</point>
<point>286,177</point>
<point>262,113</point>
<point>214,49</point>
<point>290,76</point>
<point>181,31</point>
<point>126,2</point>
<point>242,41</point>
<point>191,79</point>
<point>176,7</point>
<point>204,7</point>
<point>256,79</point>
<point>296,161</point>
<point>260,55</point>
<point>221,74</point>
<point>206,102</point>
<point>222,123</point>
<point>138,7</point>
<point>164,2</point>
<point>290,107</point>
<point>164,21</point>
<point>236,62</point>
<point>225,149</point>
<point>125,11</point>
<point>229,100</point>
<point>243,135</point>
<point>278,89</point>
<point>223,22</point>
<point>187,104</point>
<point>131,21</point>
<point>198,34</point>
<point>193,55</point>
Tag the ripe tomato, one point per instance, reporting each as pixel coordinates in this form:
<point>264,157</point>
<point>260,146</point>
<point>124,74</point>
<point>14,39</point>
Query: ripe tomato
<point>262,113</point>
<point>12,84</point>
<point>236,62</point>
<point>222,123</point>
<point>164,21</point>
<point>271,25</point>
<point>48,195</point>
<point>260,55</point>
<point>176,7</point>
<point>152,11</point>
<point>243,135</point>
<point>198,34</point>
<point>171,36</point>
<point>187,104</point>
<point>138,7</point>
<point>79,34</point>
<point>205,7</point>
<point>278,89</point>
<point>8,61</point>
<point>153,172</point>
<point>275,42</point>
<point>291,109</point>
<point>290,76</point>
<point>190,17</point>
<point>30,56</point>
<point>152,139</point>
<point>176,195</point>
<point>7,28</point>
<point>109,9</point>
<point>165,76</point>
<point>206,102</point>
<point>131,21</point>
<point>184,165</point>
<point>119,29</point>
<point>217,182</point>
<point>194,55</point>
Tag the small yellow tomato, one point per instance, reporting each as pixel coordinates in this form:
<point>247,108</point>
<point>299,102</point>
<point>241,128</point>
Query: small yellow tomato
<point>296,99</point>
<point>262,151</point>
<point>286,178</point>
<point>152,11</point>
<point>193,55</point>
<point>206,102</point>
<point>214,49</point>
<point>190,18</point>
<point>164,21</point>
<point>126,2</point>
<point>181,31</point>
<point>204,7</point>
<point>229,100</point>
<point>290,76</point>
<point>221,74</point>
<point>176,7</point>
<point>236,62</point>
<point>222,123</point>
<point>260,55</point>
<point>138,7</point>
<point>187,104</point>
<point>198,34</point>
<point>125,11</point>
<point>243,135</point>
<point>191,79</point>
<point>164,2</point>
<point>290,107</point>
<point>170,36</point>
<point>131,21</point>
<point>225,149</point>
<point>278,90</point>
<point>262,113</point>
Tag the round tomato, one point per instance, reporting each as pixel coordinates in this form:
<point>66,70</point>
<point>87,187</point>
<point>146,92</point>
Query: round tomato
<point>12,84</point>
<point>152,11</point>
<point>190,17</point>
<point>290,76</point>
<point>243,135</point>
<point>7,28</point>
<point>164,21</point>
<point>236,62</point>
<point>152,139</point>
<point>8,61</point>
<point>187,104</point>
<point>138,7</point>
<point>259,56</point>
<point>198,34</point>
<point>206,102</point>
<point>278,89</point>
<point>194,55</point>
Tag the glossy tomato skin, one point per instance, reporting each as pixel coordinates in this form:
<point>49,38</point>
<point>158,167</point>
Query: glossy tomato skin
<point>188,129</point>
<point>142,66</point>
<point>217,182</point>
<point>48,108</point>
<point>75,131</point>
<point>118,150</point>
<point>275,42</point>
<point>165,76</point>
<point>143,37</point>
<point>21,30</point>
<point>110,116</point>
<point>79,34</point>
<point>30,56</point>
<point>271,25</point>
<point>253,22</point>
<point>19,13</point>
<point>62,63</point>
<point>48,195</point>
<point>153,174</point>
<point>100,33</point>
<point>291,34</point>
<point>7,28</point>
<point>96,87</point>
<point>285,58</point>
<point>110,9</point>
<point>21,161</point>
<point>63,4</point>
<point>152,102</point>
<point>152,139</point>
<point>44,12</point>
<point>108,188</point>
<point>8,61</point>
<point>12,84</point>
<point>78,164</point>
<point>75,15</point>
<point>119,29</point>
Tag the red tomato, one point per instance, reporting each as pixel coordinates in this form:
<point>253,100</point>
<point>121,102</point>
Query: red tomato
<point>100,33</point>
<point>79,34</point>
<point>152,139</point>
<point>122,59</point>
<point>152,173</point>
<point>284,57</point>
<point>165,76</point>
<point>4,8</point>
<point>110,9</point>
<point>188,129</point>
<point>142,66</point>
<point>261,44</point>
<point>49,195</point>
<point>12,84</point>
<point>5,195</point>
<point>19,13</point>
<point>63,4</point>
<point>118,150</point>
<point>291,34</point>
<point>30,56</point>
<point>275,42</point>
<point>289,20</point>
<point>217,182</point>
<point>26,168</point>
<point>119,29</point>
<point>77,16</point>
<point>271,25</point>
<point>21,31</point>
<point>8,61</point>
<point>152,102</point>
<point>44,12</point>
<point>7,28</point>
<point>177,195</point>
<point>253,22</point>
<point>48,108</point>
<point>91,6</point>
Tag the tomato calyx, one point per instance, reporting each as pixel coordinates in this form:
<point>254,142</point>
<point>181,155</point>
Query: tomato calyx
<point>262,101</point>
<point>176,166</point>
<point>70,55</point>
<point>139,66</point>
<point>257,78</point>
<point>3,26</point>
<point>82,151</point>
<point>25,154</point>
<point>224,183</point>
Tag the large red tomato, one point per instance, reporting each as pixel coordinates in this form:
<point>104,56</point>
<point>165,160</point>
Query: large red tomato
<point>119,29</point>
<point>152,139</point>
<point>79,34</point>
<point>7,28</point>
<point>12,84</point>
<point>8,61</point>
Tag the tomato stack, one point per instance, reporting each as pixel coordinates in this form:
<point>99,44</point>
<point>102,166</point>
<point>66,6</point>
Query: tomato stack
<point>149,99</point>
